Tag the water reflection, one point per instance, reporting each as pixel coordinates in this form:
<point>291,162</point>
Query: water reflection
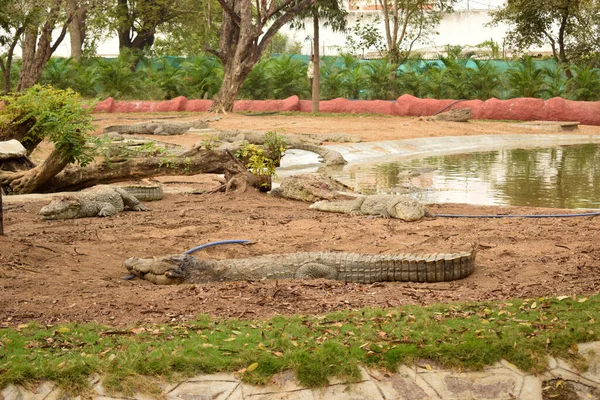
<point>562,177</point>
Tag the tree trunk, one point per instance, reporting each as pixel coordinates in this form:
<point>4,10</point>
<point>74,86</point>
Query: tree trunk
<point>195,161</point>
<point>36,52</point>
<point>76,29</point>
<point>234,76</point>
<point>1,215</point>
<point>6,67</point>
<point>317,67</point>
<point>29,181</point>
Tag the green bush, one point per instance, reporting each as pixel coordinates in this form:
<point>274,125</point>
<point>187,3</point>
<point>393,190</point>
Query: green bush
<point>278,77</point>
<point>57,115</point>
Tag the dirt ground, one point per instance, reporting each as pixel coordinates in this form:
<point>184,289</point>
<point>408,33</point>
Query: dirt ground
<point>71,270</point>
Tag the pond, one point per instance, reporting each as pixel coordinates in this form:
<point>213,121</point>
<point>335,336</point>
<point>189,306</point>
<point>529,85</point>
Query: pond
<point>559,177</point>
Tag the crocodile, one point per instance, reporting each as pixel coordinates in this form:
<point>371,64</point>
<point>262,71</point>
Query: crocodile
<point>456,115</point>
<point>101,201</point>
<point>348,267</point>
<point>158,127</point>
<point>382,205</point>
<point>312,187</point>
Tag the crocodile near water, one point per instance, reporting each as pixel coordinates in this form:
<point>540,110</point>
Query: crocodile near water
<point>382,205</point>
<point>99,201</point>
<point>348,267</point>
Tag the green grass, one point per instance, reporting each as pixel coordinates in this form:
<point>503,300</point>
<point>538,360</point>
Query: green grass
<point>467,336</point>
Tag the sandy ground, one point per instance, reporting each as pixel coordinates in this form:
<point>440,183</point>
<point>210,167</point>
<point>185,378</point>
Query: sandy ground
<point>70,270</point>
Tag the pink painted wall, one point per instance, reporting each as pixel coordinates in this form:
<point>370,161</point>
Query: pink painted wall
<point>521,109</point>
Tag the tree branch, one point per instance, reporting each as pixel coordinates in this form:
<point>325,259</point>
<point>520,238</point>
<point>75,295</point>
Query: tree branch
<point>234,17</point>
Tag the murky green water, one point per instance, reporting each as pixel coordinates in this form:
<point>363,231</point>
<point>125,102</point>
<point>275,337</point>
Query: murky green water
<point>562,177</point>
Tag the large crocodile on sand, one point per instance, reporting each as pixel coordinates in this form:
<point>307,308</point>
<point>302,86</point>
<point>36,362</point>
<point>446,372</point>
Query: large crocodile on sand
<point>382,205</point>
<point>158,127</point>
<point>99,201</point>
<point>348,267</point>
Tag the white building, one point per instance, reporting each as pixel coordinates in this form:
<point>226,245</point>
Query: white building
<point>466,26</point>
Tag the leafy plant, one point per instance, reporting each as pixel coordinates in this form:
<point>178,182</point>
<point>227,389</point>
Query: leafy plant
<point>256,159</point>
<point>527,80</point>
<point>57,115</point>
<point>204,76</point>
<point>169,79</point>
<point>274,145</point>
<point>485,81</point>
<point>287,77</point>
<point>257,84</point>
<point>380,79</point>
<point>585,83</point>
<point>58,73</point>
<point>116,77</point>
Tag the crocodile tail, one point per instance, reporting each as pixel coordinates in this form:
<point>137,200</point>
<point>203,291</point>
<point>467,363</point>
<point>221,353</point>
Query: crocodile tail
<point>145,193</point>
<point>333,206</point>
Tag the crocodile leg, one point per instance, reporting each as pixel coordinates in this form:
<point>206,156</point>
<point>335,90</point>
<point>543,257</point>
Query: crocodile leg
<point>106,210</point>
<point>356,206</point>
<point>315,271</point>
<point>130,201</point>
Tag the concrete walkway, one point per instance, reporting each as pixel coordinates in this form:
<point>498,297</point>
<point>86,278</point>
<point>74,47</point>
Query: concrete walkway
<point>422,382</point>
<point>368,152</point>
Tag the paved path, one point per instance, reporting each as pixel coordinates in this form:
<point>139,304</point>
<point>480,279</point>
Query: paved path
<point>501,381</point>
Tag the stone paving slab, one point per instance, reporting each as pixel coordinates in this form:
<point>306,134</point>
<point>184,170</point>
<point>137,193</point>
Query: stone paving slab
<point>502,381</point>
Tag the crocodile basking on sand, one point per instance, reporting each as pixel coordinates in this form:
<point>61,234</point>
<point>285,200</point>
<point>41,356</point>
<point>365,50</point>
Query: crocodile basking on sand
<point>312,187</point>
<point>382,205</point>
<point>99,201</point>
<point>158,127</point>
<point>348,267</point>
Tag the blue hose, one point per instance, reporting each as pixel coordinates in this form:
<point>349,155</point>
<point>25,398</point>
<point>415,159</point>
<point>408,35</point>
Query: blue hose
<point>203,246</point>
<point>591,214</point>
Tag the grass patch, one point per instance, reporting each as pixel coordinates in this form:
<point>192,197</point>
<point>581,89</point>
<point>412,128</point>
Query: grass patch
<point>467,336</point>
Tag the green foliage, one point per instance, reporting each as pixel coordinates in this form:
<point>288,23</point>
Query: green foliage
<point>485,81</point>
<point>116,78</point>
<point>203,76</point>
<point>460,335</point>
<point>527,80</point>
<point>585,83</point>
<point>287,77</point>
<point>346,76</point>
<point>274,145</point>
<point>58,73</point>
<point>59,117</point>
<point>380,81</point>
<point>256,86</point>
<point>263,160</point>
<point>169,79</point>
<point>256,159</point>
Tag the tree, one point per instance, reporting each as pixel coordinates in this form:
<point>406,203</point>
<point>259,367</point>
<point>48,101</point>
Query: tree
<point>334,15</point>
<point>570,27</point>
<point>12,23</point>
<point>76,28</point>
<point>407,22</point>
<point>246,31</point>
<point>195,25</point>
<point>41,18</point>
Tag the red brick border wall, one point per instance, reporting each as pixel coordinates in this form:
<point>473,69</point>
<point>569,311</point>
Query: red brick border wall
<point>521,109</point>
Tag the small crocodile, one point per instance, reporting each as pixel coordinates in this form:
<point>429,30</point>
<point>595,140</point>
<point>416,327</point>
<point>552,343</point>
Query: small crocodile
<point>158,127</point>
<point>382,205</point>
<point>348,267</point>
<point>100,201</point>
